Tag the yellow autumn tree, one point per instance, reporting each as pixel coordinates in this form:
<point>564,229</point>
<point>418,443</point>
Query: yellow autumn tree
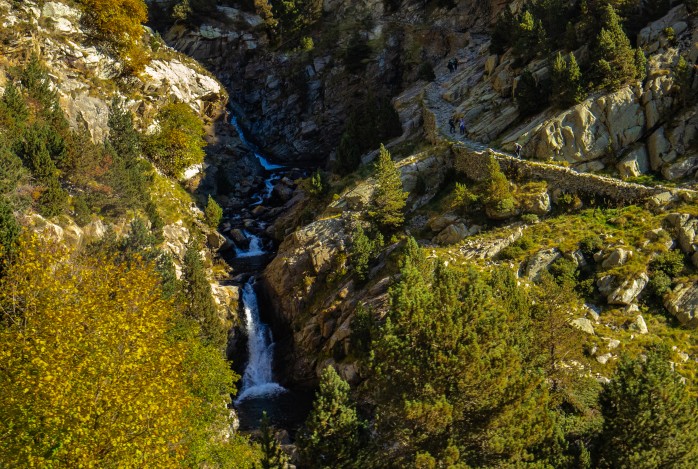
<point>96,370</point>
<point>118,24</point>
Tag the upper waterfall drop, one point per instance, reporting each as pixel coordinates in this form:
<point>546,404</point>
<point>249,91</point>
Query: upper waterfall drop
<point>262,160</point>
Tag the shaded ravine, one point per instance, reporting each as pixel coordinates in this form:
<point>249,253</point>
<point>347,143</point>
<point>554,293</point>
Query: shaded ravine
<point>259,391</point>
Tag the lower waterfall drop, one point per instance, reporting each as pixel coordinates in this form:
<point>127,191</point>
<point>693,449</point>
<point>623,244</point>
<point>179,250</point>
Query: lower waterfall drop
<point>257,380</point>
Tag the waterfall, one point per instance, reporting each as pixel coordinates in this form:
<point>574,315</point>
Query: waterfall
<point>262,160</point>
<point>257,380</point>
<point>255,248</point>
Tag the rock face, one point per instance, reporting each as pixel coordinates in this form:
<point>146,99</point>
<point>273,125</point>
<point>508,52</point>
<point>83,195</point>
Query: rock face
<point>540,261</point>
<point>75,66</point>
<point>682,302</point>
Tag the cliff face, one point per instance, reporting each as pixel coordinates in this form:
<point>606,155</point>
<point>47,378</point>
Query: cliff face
<point>630,132</point>
<point>297,102</point>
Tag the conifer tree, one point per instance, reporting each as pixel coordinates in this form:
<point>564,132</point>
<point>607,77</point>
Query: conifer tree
<point>649,415</point>
<point>499,198</point>
<point>9,230</point>
<point>331,434</point>
<point>388,199</point>
<point>615,60</point>
<point>123,137</point>
<point>197,291</point>
<point>273,456</point>
<point>566,81</point>
<point>14,105</point>
<point>213,213</point>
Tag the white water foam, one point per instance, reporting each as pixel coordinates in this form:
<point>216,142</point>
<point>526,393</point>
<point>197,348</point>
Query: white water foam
<point>255,248</point>
<point>257,381</point>
<point>262,160</point>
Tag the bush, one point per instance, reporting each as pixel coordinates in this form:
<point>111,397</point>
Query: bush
<point>213,213</point>
<point>118,25</point>
<point>670,262</point>
<point>426,72</point>
<point>659,284</point>
<point>530,218</point>
<point>564,271</point>
<point>179,142</point>
<point>590,244</point>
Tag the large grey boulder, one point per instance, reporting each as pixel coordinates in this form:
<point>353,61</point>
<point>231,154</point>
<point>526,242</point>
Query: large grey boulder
<point>540,261</point>
<point>452,234</point>
<point>685,229</point>
<point>682,302</point>
<point>439,222</point>
<point>584,325</point>
<point>616,257</point>
<point>635,163</point>
<point>622,292</point>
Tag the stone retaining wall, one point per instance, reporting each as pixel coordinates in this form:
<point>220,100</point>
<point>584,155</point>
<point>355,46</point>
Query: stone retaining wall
<point>474,165</point>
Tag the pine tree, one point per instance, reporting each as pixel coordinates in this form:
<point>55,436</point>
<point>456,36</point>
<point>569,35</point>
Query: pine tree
<point>615,59</point>
<point>363,250</point>
<point>213,213</point>
<point>388,199</point>
<point>9,230</point>
<point>331,434</point>
<point>123,137</point>
<point>566,81</point>
<point>197,292</point>
<point>273,456</point>
<point>499,198</point>
<point>14,105</point>
<point>649,415</point>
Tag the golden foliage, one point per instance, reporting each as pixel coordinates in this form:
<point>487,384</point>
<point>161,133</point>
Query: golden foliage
<point>89,371</point>
<point>118,23</point>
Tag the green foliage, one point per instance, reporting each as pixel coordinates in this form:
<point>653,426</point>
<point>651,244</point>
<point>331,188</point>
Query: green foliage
<point>372,122</point>
<point>426,72</point>
<point>683,79</point>
<point>532,95</point>
<point>566,82</point>
<point>330,437</point>
<point>363,251</point>
<point>117,24</point>
<point>179,141</point>
<point>213,213</point>
<point>670,262</point>
<point>363,326</point>
<point>389,199</point>
<point>590,244</point>
<point>318,184</point>
<point>9,231</point>
<point>462,197</point>
<point>12,173</point>
<point>530,37</point>
<point>293,15</point>
<point>498,196</point>
<point>128,175</point>
<point>200,304</point>
<point>357,54</point>
<point>447,336</point>
<point>659,284</point>
<point>272,455</point>
<point>564,271</point>
<point>503,32</point>
<point>615,61</point>
<point>649,415</point>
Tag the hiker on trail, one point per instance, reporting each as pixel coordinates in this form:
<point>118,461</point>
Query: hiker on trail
<point>450,66</point>
<point>462,126</point>
<point>517,150</point>
<point>455,63</point>
<point>451,125</point>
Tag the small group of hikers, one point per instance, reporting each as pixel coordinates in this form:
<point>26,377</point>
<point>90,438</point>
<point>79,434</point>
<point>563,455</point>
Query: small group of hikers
<point>453,65</point>
<point>452,125</point>
<point>461,125</point>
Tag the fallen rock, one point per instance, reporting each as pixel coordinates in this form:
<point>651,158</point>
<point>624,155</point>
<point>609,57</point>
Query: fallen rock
<point>584,325</point>
<point>619,292</point>
<point>539,261</point>
<point>616,257</point>
<point>603,359</point>
<point>682,302</point>
<point>452,234</point>
<point>639,325</point>
<point>439,222</point>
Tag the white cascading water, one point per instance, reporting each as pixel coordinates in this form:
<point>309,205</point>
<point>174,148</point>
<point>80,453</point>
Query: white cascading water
<point>257,380</point>
<point>255,248</point>
<point>262,160</point>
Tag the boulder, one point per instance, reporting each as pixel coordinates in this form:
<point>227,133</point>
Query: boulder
<point>680,168</point>
<point>536,203</point>
<point>439,222</point>
<point>176,238</point>
<point>584,325</point>
<point>622,292</point>
<point>616,257</point>
<point>603,359</point>
<point>685,229</point>
<point>540,261</point>
<point>635,163</point>
<point>94,230</point>
<point>639,325</point>
<point>239,238</point>
<point>682,302</point>
<point>452,234</point>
